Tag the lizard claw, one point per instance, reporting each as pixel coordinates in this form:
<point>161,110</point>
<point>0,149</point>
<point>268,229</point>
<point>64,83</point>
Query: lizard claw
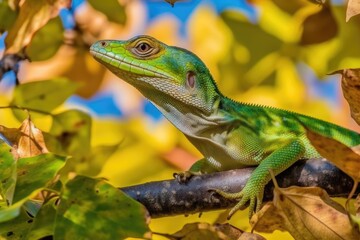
<point>246,195</point>
<point>184,177</point>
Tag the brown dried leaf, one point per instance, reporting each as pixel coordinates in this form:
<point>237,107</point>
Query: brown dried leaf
<point>313,213</point>
<point>31,142</point>
<point>172,2</point>
<point>234,233</point>
<point>27,141</point>
<point>336,152</point>
<point>353,8</point>
<point>306,213</point>
<point>207,231</point>
<point>268,219</point>
<point>350,83</point>
<point>33,15</point>
<point>199,231</point>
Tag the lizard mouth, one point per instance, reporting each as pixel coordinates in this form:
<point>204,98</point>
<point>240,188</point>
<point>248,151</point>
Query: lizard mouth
<point>122,64</point>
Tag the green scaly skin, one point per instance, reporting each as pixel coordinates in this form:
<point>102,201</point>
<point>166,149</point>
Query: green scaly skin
<point>229,134</point>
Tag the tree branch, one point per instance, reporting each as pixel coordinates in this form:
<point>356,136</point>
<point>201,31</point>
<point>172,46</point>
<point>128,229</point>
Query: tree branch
<point>169,197</point>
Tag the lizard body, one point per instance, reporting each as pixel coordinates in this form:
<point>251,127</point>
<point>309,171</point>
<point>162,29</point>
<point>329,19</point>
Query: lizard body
<point>229,134</point>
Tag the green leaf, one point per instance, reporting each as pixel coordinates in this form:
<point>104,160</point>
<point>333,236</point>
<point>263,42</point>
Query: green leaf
<point>73,129</point>
<point>44,221</point>
<point>16,228</point>
<point>46,41</point>
<point>93,209</point>
<point>10,212</point>
<point>7,172</point>
<point>111,8</point>
<point>43,95</point>
<point>7,16</point>
<point>35,173</point>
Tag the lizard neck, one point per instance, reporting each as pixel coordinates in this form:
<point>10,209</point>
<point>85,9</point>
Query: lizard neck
<point>189,120</point>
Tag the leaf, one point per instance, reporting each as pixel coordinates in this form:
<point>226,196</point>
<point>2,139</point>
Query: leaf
<point>247,60</point>
<point>33,15</point>
<point>207,231</point>
<point>43,95</point>
<point>7,173</point>
<point>17,227</point>
<point>172,2</point>
<point>347,51</point>
<point>307,213</point>
<point>268,219</point>
<point>36,173</point>
<point>73,130</point>
<point>91,76</point>
<point>27,141</point>
<point>350,83</point>
<point>7,16</point>
<point>234,233</point>
<point>353,8</point>
<point>31,141</point>
<point>10,212</point>
<point>33,174</point>
<point>199,231</point>
<point>93,209</point>
<point>44,221</point>
<point>92,164</point>
<point>319,27</point>
<point>46,42</point>
<point>291,7</point>
<point>336,152</point>
<point>357,205</point>
<point>111,8</point>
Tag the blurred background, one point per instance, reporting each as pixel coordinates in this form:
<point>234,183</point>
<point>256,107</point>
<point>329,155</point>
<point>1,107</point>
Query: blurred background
<point>272,53</point>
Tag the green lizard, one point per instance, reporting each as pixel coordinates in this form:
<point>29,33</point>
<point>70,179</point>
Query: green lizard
<point>229,134</point>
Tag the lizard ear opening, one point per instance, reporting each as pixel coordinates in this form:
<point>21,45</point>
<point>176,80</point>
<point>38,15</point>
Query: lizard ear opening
<point>190,79</point>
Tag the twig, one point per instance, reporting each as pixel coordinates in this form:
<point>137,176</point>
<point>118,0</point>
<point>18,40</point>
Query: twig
<point>169,197</point>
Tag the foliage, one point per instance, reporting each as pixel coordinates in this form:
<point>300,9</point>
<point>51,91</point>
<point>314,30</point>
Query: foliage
<point>50,178</point>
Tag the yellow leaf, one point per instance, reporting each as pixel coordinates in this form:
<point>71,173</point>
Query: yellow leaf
<point>353,8</point>
<point>206,31</point>
<point>336,152</point>
<point>33,15</point>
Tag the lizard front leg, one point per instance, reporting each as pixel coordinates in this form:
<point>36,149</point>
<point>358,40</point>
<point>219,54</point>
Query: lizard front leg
<point>253,191</point>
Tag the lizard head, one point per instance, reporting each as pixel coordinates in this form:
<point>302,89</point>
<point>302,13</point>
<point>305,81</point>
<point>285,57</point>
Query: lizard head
<point>162,73</point>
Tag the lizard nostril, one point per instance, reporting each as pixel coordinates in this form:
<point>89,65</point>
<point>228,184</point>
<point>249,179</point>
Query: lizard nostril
<point>103,43</point>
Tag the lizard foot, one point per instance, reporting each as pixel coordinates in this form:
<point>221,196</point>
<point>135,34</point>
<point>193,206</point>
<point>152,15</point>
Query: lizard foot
<point>254,195</point>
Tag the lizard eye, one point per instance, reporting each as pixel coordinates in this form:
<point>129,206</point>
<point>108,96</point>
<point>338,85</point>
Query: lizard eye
<point>143,49</point>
